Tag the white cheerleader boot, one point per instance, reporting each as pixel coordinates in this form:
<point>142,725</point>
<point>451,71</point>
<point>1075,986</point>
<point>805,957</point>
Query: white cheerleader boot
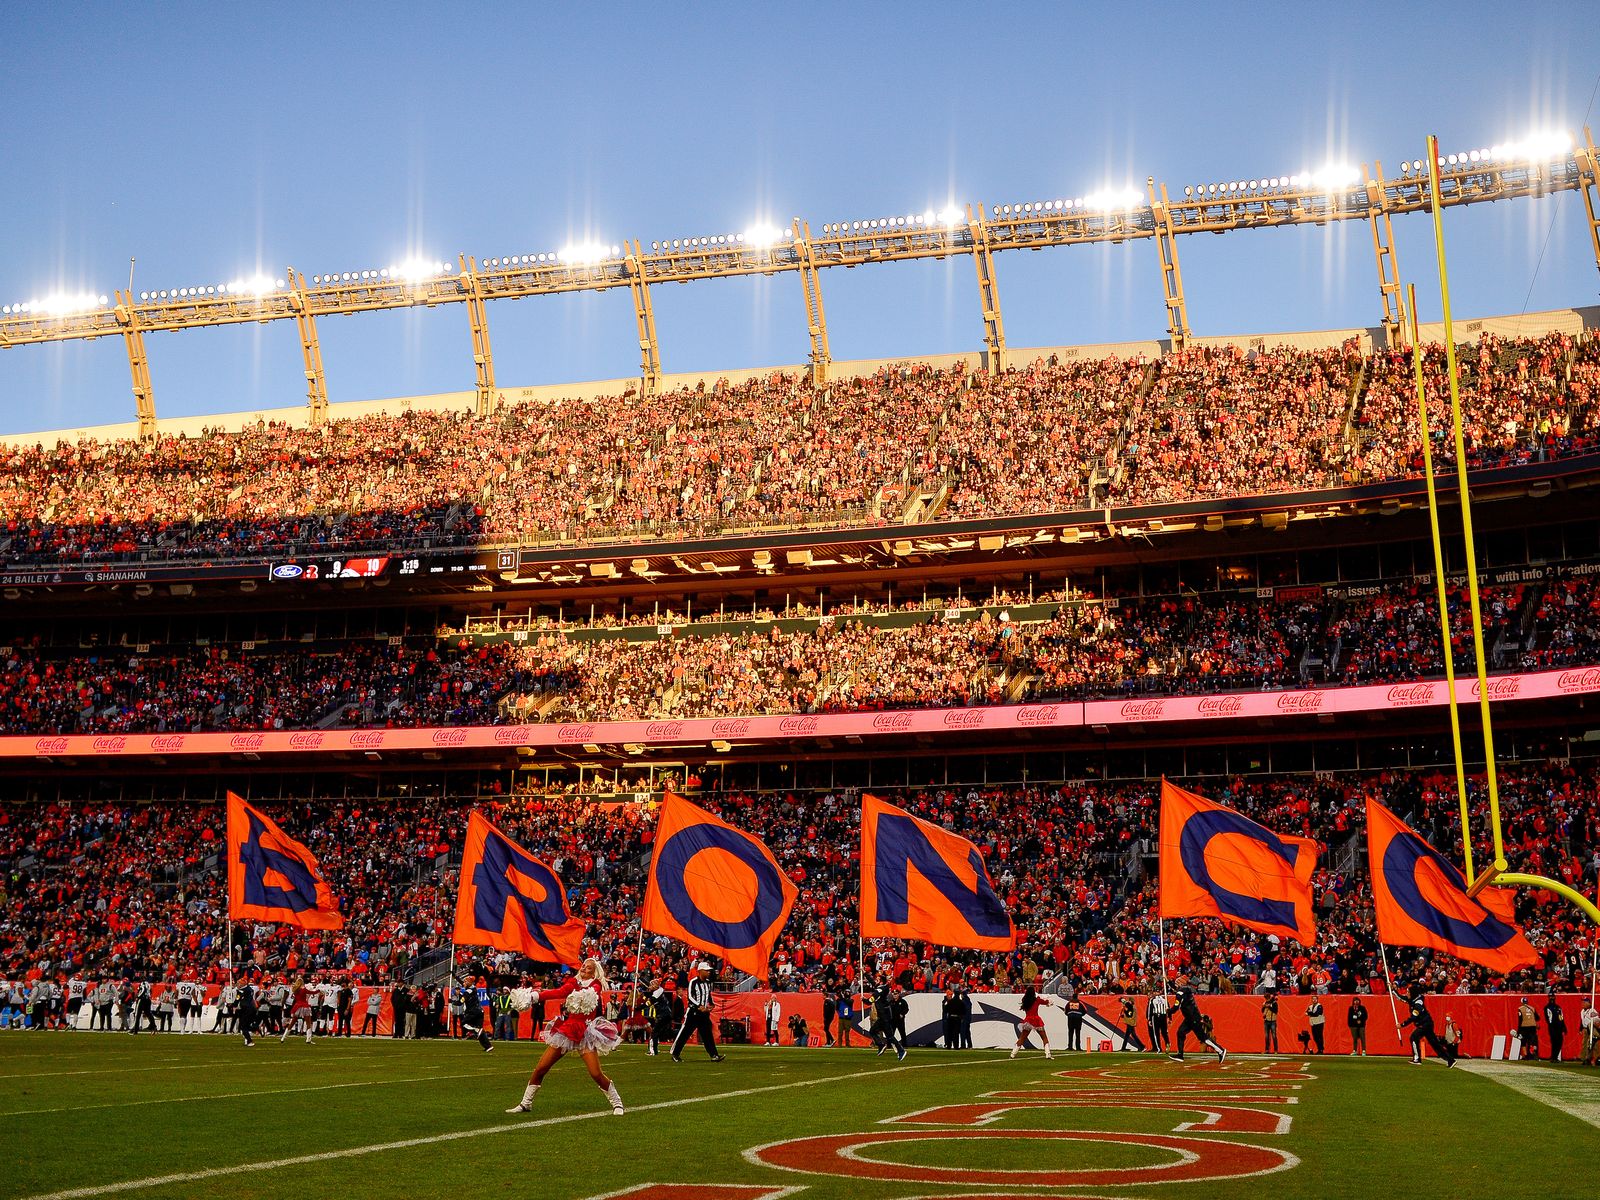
<point>526,1103</point>
<point>616,1100</point>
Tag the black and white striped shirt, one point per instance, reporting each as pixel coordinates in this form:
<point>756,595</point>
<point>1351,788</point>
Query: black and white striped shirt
<point>700,993</point>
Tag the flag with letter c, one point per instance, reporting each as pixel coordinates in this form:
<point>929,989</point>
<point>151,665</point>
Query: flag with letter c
<point>1216,862</point>
<point>1421,900</point>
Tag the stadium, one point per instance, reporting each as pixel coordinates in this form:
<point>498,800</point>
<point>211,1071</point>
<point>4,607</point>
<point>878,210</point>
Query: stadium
<point>1131,768</point>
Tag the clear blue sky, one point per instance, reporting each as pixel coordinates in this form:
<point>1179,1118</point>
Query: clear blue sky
<point>209,139</point>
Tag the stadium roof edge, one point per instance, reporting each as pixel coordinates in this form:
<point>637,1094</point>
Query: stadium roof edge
<point>1570,320</point>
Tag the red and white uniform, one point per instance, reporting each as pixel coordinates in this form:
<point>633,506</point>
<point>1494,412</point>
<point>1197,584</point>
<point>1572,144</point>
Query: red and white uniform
<point>302,1002</point>
<point>581,1024</point>
<point>1031,1003</point>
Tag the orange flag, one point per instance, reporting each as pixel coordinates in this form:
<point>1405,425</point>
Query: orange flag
<point>1219,863</point>
<point>921,881</point>
<point>1421,900</point>
<point>272,877</point>
<point>715,887</point>
<point>510,900</point>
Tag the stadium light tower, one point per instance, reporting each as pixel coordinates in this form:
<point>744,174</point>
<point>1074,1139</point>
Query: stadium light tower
<point>478,318</point>
<point>816,319</point>
<point>144,401</point>
<point>1394,307</point>
<point>310,349</point>
<point>1171,272</point>
<point>994,332</point>
<point>645,314</point>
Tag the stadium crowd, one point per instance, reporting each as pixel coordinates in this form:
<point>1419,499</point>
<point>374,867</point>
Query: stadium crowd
<point>1090,648</point>
<point>136,892</point>
<point>773,451</point>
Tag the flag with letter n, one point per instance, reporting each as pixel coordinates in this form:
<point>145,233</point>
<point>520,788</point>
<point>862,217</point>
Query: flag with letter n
<point>921,881</point>
<point>510,900</point>
<point>272,877</point>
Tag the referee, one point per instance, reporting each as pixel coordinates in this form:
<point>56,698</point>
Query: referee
<point>697,1015</point>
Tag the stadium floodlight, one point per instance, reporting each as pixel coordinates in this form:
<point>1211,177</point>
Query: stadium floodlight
<point>761,237</point>
<point>582,254</point>
<point>1543,146</point>
<point>1335,177</point>
<point>1110,200</point>
<point>950,215</point>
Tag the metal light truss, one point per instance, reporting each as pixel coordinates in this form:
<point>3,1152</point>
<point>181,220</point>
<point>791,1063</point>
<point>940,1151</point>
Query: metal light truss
<point>1034,225</point>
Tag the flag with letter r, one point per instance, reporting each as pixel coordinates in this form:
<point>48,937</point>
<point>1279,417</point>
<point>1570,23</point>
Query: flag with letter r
<point>272,877</point>
<point>921,881</point>
<point>510,900</point>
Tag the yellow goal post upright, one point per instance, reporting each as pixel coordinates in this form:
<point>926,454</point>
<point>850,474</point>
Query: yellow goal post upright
<point>1495,873</point>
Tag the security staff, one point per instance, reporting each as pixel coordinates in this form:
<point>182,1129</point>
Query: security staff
<point>1421,1022</point>
<point>1555,1021</point>
<point>1316,1017</point>
<point>1356,1018</point>
<point>1192,1022</point>
<point>1074,1024</point>
<point>658,1017</point>
<point>1269,1023</point>
<point>697,1015</point>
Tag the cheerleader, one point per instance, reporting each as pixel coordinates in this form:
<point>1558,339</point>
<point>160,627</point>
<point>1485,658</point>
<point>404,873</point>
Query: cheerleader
<point>581,1026</point>
<point>1032,1020</point>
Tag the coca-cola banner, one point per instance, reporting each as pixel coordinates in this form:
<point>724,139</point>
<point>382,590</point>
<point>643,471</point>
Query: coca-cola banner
<point>937,721</point>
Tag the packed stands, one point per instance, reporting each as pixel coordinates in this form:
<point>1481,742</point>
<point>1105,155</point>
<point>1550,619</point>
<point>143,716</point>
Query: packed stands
<point>906,443</point>
<point>137,890</point>
<point>1083,649</point>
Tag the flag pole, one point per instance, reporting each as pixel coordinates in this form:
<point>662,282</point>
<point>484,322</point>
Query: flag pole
<point>633,1001</point>
<point>1393,1011</point>
<point>1161,934</point>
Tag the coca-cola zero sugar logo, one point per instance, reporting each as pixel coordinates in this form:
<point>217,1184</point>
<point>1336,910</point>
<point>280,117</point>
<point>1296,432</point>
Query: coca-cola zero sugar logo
<point>1587,680</point>
<point>1402,695</point>
<point>247,741</point>
<point>449,737</point>
<point>798,726</point>
<point>732,727</point>
<point>658,731</point>
<point>166,743</point>
<point>366,739</point>
<point>512,735</point>
<point>891,722</point>
<point>50,745</point>
<point>306,741</point>
<point>965,718</point>
<point>1143,710</point>
<point>110,745</point>
<point>1501,687</point>
<point>1220,706</point>
<point>1038,714</point>
<point>1301,702</point>
<point>576,733</point>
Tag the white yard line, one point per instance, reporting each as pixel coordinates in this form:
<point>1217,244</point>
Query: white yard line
<point>221,1062</point>
<point>274,1164</point>
<point>1566,1091</point>
<point>324,1087</point>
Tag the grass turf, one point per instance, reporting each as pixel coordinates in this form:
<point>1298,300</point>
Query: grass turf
<point>95,1111</point>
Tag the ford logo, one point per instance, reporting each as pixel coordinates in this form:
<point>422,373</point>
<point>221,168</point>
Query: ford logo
<point>288,571</point>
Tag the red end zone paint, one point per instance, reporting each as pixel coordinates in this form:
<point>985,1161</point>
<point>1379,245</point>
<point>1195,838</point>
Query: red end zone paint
<point>1214,1118</point>
<point>701,1191</point>
<point>841,1155</point>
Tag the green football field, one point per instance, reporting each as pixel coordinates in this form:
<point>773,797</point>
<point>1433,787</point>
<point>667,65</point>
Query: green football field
<point>171,1116</point>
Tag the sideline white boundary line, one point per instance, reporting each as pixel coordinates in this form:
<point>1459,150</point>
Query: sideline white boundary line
<point>322,1087</point>
<point>1564,1091</point>
<point>106,1189</point>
